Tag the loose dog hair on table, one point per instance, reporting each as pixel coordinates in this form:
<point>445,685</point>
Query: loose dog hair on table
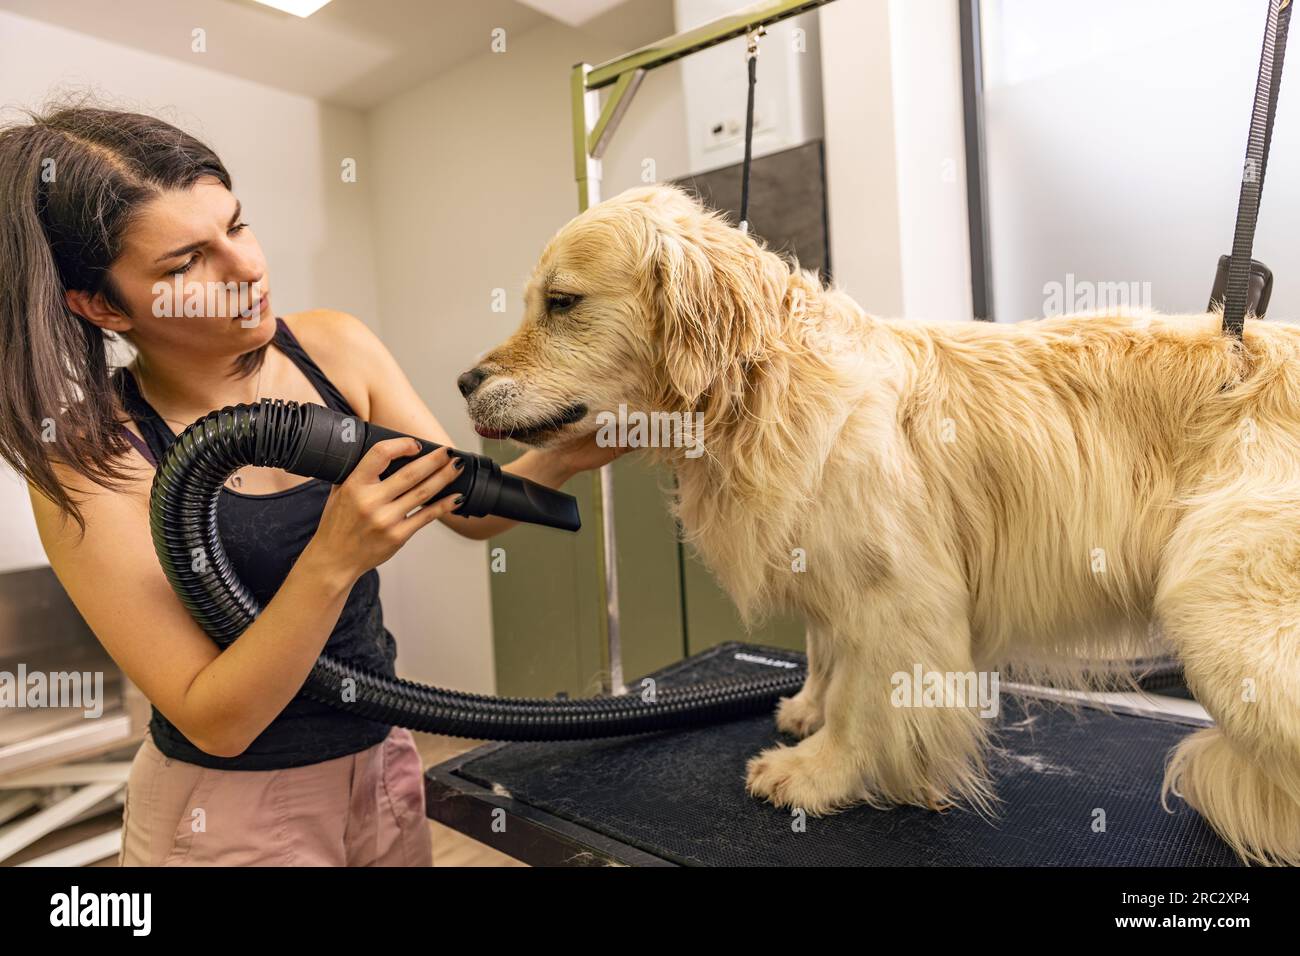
<point>966,496</point>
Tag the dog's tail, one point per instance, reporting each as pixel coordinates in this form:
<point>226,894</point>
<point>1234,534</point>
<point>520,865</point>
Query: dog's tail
<point>1255,814</point>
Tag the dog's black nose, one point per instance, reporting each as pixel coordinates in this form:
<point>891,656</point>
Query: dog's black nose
<point>470,380</point>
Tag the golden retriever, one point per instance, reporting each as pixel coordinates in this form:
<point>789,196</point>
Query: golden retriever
<point>944,497</point>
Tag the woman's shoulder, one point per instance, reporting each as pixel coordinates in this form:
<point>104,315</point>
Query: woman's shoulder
<point>130,465</point>
<point>343,346</point>
<point>328,329</point>
<point>121,488</point>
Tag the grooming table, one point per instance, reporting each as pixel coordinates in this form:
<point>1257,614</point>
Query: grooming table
<point>678,798</point>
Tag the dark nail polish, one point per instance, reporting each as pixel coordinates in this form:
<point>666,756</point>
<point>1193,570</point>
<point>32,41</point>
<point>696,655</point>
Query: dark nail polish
<point>460,463</point>
<point>460,500</point>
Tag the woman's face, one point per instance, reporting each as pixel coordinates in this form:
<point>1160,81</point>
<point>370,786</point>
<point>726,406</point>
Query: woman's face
<point>191,274</point>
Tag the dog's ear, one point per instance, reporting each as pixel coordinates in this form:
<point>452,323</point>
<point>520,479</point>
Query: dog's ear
<point>718,295</point>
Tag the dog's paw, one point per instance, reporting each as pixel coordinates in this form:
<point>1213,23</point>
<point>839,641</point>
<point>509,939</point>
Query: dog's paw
<point>798,716</point>
<point>803,777</point>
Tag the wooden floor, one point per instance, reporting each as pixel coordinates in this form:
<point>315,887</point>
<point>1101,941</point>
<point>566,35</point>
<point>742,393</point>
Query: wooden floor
<point>449,847</point>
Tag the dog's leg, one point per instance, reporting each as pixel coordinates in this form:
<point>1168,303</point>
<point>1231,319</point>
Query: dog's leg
<point>802,714</point>
<point>869,748</point>
<point>1229,599</point>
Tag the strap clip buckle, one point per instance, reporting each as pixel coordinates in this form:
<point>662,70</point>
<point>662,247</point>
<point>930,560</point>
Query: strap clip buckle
<point>1261,287</point>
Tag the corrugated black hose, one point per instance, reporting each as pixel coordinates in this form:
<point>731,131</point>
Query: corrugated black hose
<point>318,442</point>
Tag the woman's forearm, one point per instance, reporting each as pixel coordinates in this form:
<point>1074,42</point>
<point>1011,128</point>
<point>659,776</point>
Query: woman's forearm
<point>247,686</point>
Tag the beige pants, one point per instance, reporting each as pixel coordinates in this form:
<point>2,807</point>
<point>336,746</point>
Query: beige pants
<point>365,809</point>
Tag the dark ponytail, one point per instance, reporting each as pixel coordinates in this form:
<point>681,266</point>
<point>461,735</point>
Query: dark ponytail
<point>71,183</point>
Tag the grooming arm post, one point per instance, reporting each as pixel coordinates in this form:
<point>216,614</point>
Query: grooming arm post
<point>591,132</point>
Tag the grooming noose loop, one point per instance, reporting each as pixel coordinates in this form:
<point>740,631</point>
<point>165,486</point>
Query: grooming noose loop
<point>751,58</point>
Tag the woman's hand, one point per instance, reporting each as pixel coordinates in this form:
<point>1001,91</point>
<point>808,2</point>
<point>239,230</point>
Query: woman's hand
<point>583,454</point>
<point>365,521</point>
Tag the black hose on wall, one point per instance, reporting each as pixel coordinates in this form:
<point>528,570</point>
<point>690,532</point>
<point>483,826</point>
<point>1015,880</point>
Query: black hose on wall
<point>317,442</point>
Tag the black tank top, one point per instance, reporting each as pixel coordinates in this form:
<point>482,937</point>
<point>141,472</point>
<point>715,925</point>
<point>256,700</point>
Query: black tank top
<point>263,536</point>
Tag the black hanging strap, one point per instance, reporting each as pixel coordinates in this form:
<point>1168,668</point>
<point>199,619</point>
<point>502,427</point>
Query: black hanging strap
<point>1247,283</point>
<point>751,54</point>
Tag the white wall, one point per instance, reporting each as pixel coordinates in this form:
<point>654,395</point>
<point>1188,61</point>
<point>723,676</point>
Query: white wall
<point>1116,133</point>
<point>473,172</point>
<point>895,159</point>
<point>861,165</point>
<point>283,152</point>
<point>931,156</point>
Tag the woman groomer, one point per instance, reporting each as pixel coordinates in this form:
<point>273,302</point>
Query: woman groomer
<point>97,207</point>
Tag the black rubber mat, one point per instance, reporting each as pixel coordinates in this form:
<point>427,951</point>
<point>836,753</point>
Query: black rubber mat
<point>681,796</point>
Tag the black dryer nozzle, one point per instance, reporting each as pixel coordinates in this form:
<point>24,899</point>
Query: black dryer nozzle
<point>333,443</point>
<point>525,500</point>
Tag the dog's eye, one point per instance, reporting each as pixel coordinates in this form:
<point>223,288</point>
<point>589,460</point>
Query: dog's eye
<point>561,301</point>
